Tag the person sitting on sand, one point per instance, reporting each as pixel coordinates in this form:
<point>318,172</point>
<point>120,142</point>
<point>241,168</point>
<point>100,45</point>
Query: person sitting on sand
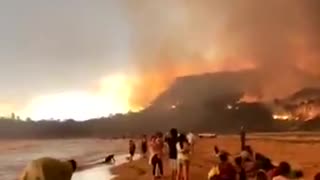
<point>172,141</point>
<point>49,169</point>
<point>284,170</point>
<point>132,149</point>
<point>110,159</point>
<point>248,164</point>
<point>183,157</point>
<point>317,176</point>
<point>226,169</point>
<point>249,150</point>
<point>241,173</point>
<point>261,175</point>
<point>156,153</point>
<point>144,146</point>
<point>297,174</point>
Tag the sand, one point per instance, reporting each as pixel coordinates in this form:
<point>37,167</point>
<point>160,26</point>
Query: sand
<point>100,172</point>
<point>302,153</point>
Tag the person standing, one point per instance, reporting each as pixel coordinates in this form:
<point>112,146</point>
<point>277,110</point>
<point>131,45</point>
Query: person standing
<point>144,146</point>
<point>132,149</point>
<point>172,141</point>
<point>156,152</point>
<point>191,139</point>
<point>243,138</point>
<point>183,157</point>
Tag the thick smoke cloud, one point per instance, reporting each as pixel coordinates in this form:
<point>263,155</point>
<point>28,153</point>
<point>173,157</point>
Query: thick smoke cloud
<point>281,38</point>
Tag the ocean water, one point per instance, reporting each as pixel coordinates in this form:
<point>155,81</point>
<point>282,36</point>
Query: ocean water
<point>15,154</point>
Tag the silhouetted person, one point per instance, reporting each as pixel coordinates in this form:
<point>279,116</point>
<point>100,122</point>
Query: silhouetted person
<point>226,169</point>
<point>298,174</point>
<point>144,146</point>
<point>240,170</point>
<point>284,170</point>
<point>243,138</point>
<point>110,159</point>
<point>49,169</point>
<point>171,141</point>
<point>317,176</point>
<point>261,175</point>
<point>132,149</point>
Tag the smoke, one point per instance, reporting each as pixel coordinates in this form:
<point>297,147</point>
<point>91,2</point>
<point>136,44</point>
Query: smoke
<point>173,38</point>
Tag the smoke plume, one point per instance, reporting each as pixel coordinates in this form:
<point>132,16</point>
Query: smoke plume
<point>279,38</point>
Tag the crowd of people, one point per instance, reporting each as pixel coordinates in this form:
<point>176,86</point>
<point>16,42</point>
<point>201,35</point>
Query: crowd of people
<point>246,165</point>
<point>250,165</point>
<point>176,146</point>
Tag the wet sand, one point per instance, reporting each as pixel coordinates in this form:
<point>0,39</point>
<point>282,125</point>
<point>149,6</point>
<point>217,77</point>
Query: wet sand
<point>300,152</point>
<point>101,171</point>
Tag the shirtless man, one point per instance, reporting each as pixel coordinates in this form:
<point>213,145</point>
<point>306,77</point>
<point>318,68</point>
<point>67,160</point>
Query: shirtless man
<point>49,169</point>
<point>110,159</point>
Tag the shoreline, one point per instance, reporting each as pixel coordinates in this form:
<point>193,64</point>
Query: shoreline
<point>100,170</point>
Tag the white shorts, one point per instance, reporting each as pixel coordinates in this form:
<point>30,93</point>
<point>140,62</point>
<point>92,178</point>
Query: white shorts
<point>173,164</point>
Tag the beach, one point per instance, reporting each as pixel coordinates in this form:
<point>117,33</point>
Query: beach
<point>299,150</point>
<point>102,171</point>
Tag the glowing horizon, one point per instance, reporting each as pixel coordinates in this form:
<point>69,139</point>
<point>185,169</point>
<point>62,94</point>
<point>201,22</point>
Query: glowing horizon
<point>111,97</point>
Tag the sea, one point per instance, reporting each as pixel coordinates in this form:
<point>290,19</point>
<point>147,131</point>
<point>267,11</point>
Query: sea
<point>15,154</point>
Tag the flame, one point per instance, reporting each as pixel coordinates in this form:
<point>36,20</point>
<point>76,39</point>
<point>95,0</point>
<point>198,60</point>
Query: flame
<point>119,93</point>
<point>248,98</point>
<point>150,84</point>
<point>112,96</point>
<point>282,117</point>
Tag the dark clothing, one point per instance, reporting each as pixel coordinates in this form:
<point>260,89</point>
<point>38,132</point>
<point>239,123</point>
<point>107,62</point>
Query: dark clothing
<point>132,149</point>
<point>243,139</point>
<point>156,162</point>
<point>144,147</point>
<point>109,159</point>
<point>242,174</point>
<point>227,171</point>
<point>172,144</point>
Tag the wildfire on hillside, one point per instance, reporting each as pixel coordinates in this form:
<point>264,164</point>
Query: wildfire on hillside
<point>304,109</point>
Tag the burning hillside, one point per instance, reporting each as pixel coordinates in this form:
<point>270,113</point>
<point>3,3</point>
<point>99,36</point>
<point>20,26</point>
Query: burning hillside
<point>195,37</point>
<point>302,105</point>
<point>230,89</point>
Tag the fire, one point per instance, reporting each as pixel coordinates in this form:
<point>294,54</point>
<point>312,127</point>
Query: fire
<point>112,96</point>
<point>120,93</point>
<point>152,83</point>
<point>248,98</point>
<point>282,117</point>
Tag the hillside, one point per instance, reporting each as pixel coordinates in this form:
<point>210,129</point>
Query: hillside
<point>201,103</point>
<point>206,102</point>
